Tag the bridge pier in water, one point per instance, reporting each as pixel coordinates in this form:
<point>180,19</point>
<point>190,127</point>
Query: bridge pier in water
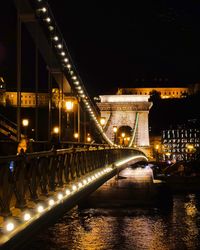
<point>133,187</point>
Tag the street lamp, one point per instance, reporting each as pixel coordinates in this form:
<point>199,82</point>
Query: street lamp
<point>156,152</point>
<point>76,136</point>
<point>56,130</point>
<point>55,137</point>
<point>25,123</point>
<point>115,134</point>
<point>123,135</point>
<point>102,121</point>
<point>89,138</point>
<point>69,104</point>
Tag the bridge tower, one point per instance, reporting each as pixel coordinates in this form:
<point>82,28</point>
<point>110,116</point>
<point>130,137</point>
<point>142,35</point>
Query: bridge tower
<point>127,110</point>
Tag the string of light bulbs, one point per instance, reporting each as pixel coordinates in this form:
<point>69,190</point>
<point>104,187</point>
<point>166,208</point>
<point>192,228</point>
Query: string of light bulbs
<point>44,13</point>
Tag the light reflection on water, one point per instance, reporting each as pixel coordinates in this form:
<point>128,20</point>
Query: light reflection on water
<point>126,229</point>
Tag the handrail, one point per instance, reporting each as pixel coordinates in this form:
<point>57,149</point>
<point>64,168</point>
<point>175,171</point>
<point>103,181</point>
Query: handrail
<point>28,174</point>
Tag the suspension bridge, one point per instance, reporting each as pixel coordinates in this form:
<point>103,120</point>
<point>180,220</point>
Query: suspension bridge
<point>37,187</point>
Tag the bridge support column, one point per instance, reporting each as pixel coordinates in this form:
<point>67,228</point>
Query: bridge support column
<point>121,110</point>
<point>143,130</point>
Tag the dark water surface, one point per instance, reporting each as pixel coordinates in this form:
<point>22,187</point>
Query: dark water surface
<point>124,229</point>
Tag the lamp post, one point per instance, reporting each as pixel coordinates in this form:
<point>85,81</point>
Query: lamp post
<point>25,123</point>
<point>69,107</point>
<point>115,134</point>
<point>156,152</point>
<point>102,121</point>
<point>123,135</point>
<point>69,104</point>
<point>56,130</point>
<point>55,137</point>
<point>88,138</point>
<point>76,136</point>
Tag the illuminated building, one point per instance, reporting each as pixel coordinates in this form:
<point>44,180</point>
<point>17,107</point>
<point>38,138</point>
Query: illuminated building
<point>182,143</point>
<point>28,99</point>
<point>165,92</point>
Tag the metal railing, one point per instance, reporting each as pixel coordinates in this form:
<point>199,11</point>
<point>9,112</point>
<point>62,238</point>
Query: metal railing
<point>26,177</point>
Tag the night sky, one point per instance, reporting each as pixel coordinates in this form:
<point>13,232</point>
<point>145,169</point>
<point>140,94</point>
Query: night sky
<point>120,44</point>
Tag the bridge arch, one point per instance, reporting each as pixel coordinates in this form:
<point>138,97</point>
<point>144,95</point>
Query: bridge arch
<point>127,110</point>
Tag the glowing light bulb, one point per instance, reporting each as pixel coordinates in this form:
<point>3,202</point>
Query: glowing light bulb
<point>40,209</point>
<point>74,187</point>
<point>60,196</point>
<point>51,202</point>
<point>56,38</point>
<point>67,191</point>
<point>84,182</point>
<point>27,216</point>
<point>44,10</point>
<point>80,184</point>
<point>48,19</point>
<point>10,226</point>
<point>66,59</point>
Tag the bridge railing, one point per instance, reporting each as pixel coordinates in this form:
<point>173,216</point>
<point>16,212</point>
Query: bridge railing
<point>27,177</point>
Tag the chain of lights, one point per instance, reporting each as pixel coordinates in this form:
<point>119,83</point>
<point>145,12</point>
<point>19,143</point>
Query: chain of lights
<point>13,225</point>
<point>45,15</point>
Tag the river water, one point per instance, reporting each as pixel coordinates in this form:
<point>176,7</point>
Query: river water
<point>123,229</point>
<point>156,227</point>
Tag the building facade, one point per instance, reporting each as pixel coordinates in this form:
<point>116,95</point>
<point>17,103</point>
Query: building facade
<point>180,144</point>
<point>165,92</point>
<point>122,111</point>
<point>28,99</point>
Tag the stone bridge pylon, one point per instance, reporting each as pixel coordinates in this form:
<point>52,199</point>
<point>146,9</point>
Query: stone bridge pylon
<point>127,110</point>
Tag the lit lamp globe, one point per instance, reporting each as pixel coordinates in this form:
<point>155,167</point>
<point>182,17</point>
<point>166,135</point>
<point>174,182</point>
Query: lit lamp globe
<point>56,130</point>
<point>76,135</point>
<point>89,138</point>
<point>115,129</point>
<point>123,135</point>
<point>102,121</point>
<point>25,122</point>
<point>69,105</point>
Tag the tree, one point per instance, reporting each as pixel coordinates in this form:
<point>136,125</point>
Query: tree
<point>155,95</point>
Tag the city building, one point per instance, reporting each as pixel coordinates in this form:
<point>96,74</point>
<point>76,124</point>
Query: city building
<point>165,92</point>
<point>182,143</point>
<point>28,99</point>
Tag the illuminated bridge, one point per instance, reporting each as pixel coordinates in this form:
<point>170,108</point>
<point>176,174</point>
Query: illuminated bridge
<point>36,187</point>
